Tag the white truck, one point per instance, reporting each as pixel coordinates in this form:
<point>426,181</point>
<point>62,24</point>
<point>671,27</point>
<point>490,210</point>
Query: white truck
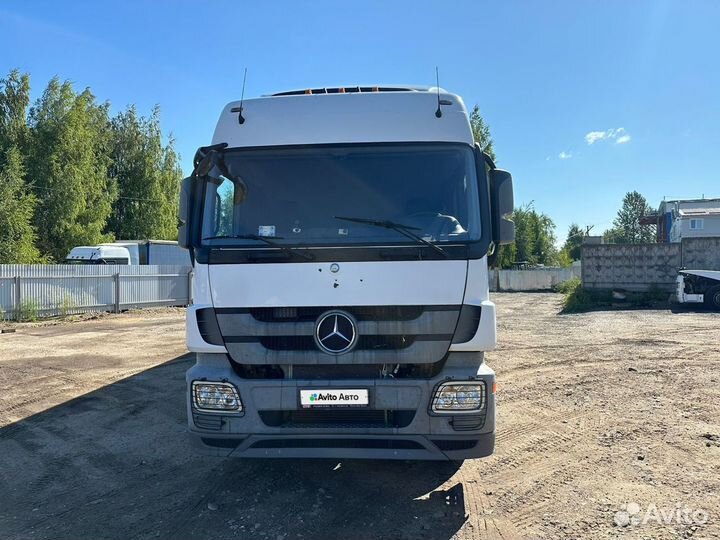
<point>340,239</point>
<point>699,287</point>
<point>102,254</point>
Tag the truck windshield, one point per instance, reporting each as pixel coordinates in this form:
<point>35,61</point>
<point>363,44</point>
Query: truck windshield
<point>297,196</point>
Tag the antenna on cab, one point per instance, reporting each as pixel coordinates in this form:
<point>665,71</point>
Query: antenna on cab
<point>438,113</point>
<point>239,110</point>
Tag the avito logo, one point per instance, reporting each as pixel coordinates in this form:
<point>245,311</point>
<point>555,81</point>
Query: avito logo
<point>334,397</point>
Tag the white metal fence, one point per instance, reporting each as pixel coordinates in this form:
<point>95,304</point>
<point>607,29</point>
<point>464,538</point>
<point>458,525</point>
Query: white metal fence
<point>29,291</point>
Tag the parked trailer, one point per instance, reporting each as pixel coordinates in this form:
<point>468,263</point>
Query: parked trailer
<point>341,305</point>
<point>155,252</point>
<point>699,286</point>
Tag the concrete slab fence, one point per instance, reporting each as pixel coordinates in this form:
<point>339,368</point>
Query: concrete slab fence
<point>642,266</point>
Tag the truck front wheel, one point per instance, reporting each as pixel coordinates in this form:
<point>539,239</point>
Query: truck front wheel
<point>712,298</point>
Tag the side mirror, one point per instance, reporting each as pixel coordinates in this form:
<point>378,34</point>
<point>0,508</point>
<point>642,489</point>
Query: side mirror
<point>503,204</point>
<point>184,225</point>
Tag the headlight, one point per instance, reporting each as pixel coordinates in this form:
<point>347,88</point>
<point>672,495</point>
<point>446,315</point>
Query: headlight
<point>215,397</point>
<point>459,397</point>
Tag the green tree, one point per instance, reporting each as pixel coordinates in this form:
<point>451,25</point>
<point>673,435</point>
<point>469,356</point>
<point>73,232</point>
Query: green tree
<point>68,167</point>
<point>562,258</point>
<point>574,241</point>
<point>626,227</point>
<point>534,240</point>
<point>481,132</point>
<point>534,235</point>
<point>171,178</point>
<point>14,101</point>
<point>507,255</point>
<point>148,177</point>
<point>17,202</point>
<point>17,206</point>
<point>542,231</point>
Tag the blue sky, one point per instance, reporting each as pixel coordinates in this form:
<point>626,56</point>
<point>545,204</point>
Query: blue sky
<point>643,75</point>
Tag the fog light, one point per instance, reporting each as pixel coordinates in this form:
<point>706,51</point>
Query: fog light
<point>215,397</point>
<point>459,397</point>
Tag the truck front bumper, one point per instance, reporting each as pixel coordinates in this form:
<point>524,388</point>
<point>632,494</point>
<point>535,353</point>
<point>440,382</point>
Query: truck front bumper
<point>360,446</point>
<point>419,434</point>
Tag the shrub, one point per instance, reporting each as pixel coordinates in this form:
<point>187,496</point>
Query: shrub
<point>27,311</point>
<point>579,299</point>
<point>66,305</point>
<point>654,295</point>
<point>576,298</point>
<point>565,287</point>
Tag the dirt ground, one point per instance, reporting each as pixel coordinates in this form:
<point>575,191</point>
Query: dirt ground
<point>602,417</point>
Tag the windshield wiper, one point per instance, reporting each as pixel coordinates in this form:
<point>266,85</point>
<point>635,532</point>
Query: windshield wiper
<point>405,230</point>
<point>269,240</point>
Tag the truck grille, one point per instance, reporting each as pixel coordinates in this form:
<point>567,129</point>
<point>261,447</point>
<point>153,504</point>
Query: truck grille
<point>338,371</point>
<point>385,444</point>
<point>307,343</point>
<point>361,313</point>
<point>338,418</point>
<point>386,334</point>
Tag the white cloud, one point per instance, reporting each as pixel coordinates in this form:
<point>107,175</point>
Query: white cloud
<point>594,136</point>
<point>623,139</point>
<point>564,155</point>
<point>619,134</point>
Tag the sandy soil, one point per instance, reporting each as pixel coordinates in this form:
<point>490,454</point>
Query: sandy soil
<point>596,411</point>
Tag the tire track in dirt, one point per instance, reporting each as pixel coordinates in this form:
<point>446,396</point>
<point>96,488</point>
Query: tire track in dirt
<point>483,523</point>
<point>578,434</point>
<point>535,460</point>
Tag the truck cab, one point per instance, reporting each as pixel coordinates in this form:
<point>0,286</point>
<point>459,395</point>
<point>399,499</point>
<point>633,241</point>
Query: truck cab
<point>102,254</point>
<point>340,241</point>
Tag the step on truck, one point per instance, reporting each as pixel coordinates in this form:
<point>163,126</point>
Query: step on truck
<point>340,240</point>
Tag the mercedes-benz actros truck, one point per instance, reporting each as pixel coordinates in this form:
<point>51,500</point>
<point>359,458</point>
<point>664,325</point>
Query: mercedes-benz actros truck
<point>340,240</point>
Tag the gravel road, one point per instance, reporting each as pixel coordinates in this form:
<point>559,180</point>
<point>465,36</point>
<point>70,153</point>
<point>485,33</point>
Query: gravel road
<point>600,415</point>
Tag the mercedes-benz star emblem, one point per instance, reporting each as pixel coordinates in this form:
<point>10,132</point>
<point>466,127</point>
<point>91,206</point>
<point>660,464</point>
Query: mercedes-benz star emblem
<point>335,332</point>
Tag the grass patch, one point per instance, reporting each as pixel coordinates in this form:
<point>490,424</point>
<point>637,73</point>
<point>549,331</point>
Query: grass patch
<point>578,299</point>
<point>67,305</point>
<point>27,311</point>
<point>654,295</point>
<point>565,287</point>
